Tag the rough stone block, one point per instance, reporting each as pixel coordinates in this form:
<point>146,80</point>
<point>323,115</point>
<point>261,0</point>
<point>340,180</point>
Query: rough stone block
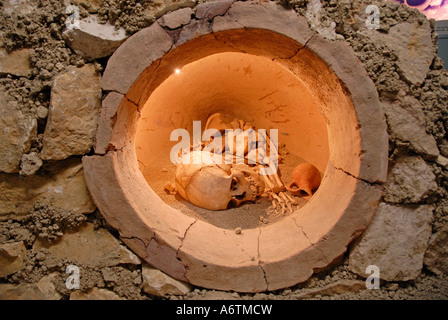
<point>395,242</point>
<point>103,249</point>
<point>73,116</point>
<point>410,180</point>
<point>16,63</point>
<point>407,123</point>
<point>436,257</point>
<point>12,258</point>
<point>44,289</point>
<point>94,294</point>
<point>414,48</point>
<point>94,40</point>
<point>157,283</point>
<point>16,133</point>
<point>60,185</point>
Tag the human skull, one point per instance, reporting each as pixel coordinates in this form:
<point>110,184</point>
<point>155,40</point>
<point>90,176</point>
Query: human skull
<point>215,186</point>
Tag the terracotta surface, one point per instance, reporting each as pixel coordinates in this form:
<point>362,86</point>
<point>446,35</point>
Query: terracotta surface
<point>278,255</point>
<point>243,86</point>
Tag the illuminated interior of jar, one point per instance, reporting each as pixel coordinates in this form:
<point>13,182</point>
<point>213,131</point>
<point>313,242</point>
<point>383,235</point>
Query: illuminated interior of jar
<point>240,86</point>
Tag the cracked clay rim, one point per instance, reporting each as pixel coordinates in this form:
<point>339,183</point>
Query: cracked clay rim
<point>271,257</point>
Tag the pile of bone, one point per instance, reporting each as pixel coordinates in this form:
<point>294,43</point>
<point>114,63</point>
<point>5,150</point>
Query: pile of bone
<point>231,168</point>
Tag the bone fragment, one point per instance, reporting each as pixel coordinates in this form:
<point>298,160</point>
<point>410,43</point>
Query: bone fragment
<point>288,203</point>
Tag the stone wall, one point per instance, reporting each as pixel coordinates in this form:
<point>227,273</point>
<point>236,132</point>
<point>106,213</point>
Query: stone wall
<point>49,109</point>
